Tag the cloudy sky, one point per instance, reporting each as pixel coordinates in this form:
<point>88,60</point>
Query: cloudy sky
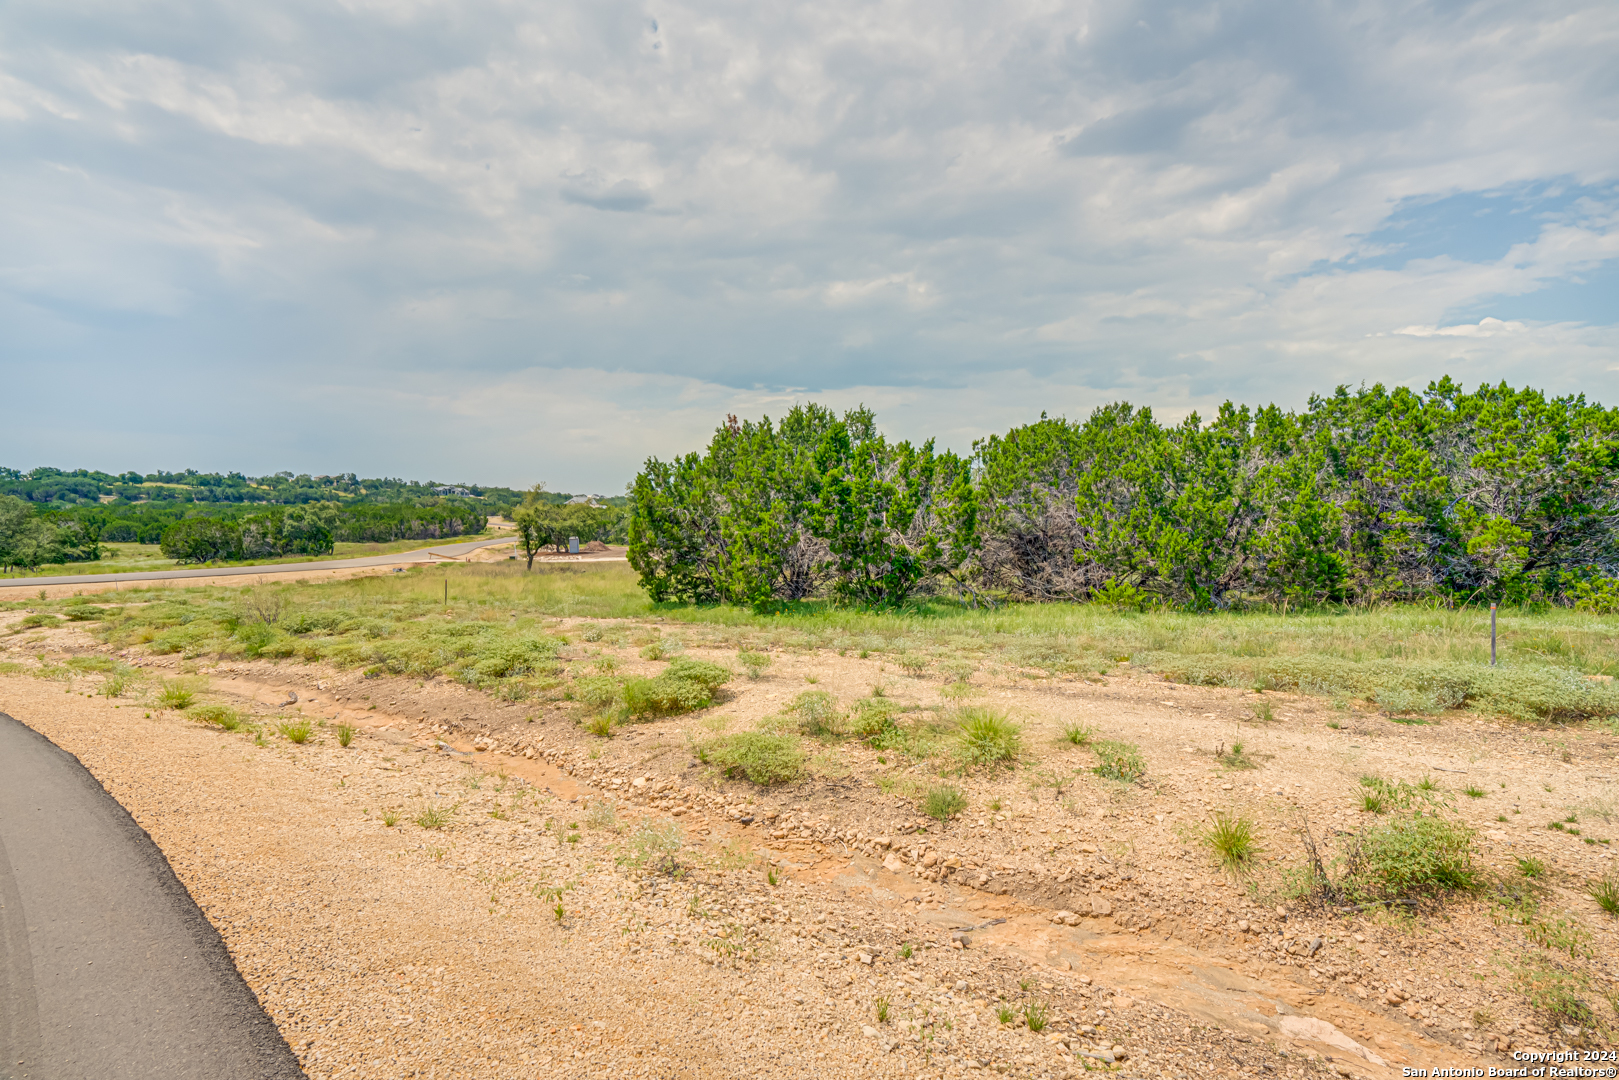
<point>509,242</point>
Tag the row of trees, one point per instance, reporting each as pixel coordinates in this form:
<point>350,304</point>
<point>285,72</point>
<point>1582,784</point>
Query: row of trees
<point>312,530</point>
<point>1365,495</point>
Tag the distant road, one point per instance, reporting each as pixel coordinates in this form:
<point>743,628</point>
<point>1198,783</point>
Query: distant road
<point>422,555</point>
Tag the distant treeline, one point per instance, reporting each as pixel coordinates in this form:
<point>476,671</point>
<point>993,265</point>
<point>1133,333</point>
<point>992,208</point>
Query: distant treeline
<point>68,488</point>
<point>31,536</point>
<point>1365,496</point>
<point>88,487</point>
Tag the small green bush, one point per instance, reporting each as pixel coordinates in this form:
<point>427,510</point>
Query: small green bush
<point>433,817</point>
<point>654,846</point>
<point>817,713</point>
<point>987,736</point>
<point>761,757</point>
<point>1119,761</point>
<point>1411,857</point>
<point>873,718</point>
<point>754,663</point>
<point>943,802</point>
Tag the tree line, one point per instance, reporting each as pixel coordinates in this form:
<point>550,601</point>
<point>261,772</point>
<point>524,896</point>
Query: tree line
<point>31,535</point>
<point>1366,495</point>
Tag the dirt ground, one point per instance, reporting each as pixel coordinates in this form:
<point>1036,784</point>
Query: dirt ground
<point>476,888</point>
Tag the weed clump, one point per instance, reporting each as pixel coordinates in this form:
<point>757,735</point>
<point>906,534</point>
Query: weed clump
<point>220,716</point>
<point>754,663</point>
<point>1605,891</point>
<point>433,817</point>
<point>654,847</point>
<point>1233,842</point>
<point>943,802</point>
<point>763,758</point>
<point>175,696</point>
<point>1119,761</point>
<point>296,731</point>
<point>345,735</point>
<point>987,736</point>
<point>601,815</point>
<point>817,713</point>
<point>1078,734</point>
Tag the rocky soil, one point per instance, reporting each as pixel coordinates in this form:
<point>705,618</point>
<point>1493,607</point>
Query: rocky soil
<point>478,888</point>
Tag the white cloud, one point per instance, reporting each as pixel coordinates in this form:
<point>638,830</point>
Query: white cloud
<point>961,214</point>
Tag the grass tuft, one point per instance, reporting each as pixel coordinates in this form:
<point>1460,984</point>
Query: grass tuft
<point>175,695</point>
<point>987,736</point>
<point>943,802</point>
<point>1078,734</point>
<point>1233,842</point>
<point>1605,891</point>
<point>433,817</point>
<point>296,731</point>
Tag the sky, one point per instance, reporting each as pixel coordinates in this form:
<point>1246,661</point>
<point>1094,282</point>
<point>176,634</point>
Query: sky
<point>511,243</point>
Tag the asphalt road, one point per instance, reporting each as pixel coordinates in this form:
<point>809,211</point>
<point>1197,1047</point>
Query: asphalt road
<point>107,967</point>
<point>422,555</point>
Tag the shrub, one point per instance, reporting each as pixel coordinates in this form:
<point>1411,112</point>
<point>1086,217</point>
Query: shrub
<point>1232,840</point>
<point>873,718</point>
<point>665,696</point>
<point>759,756</point>
<point>1412,856</point>
<point>599,691</point>
<point>754,662</point>
<point>600,725</point>
<point>1119,761</point>
<point>518,656</point>
<point>943,802</point>
<point>987,736</point>
<point>817,713</point>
